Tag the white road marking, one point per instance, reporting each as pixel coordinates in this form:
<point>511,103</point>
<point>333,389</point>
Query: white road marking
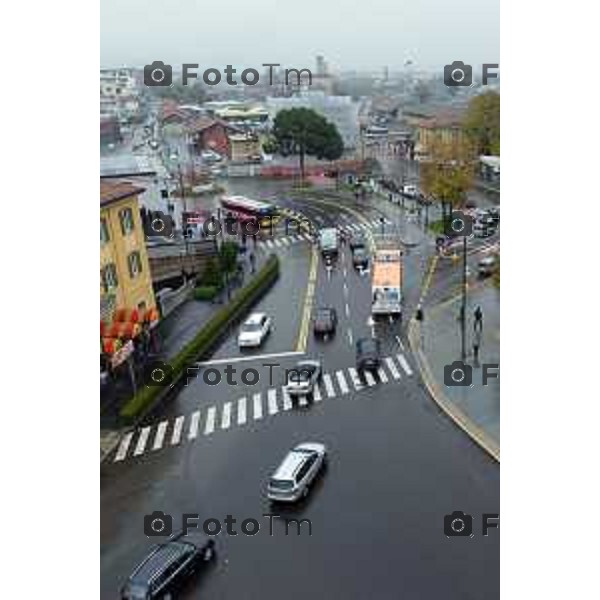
<point>287,401</point>
<point>209,426</point>
<point>257,407</point>
<point>226,416</point>
<point>350,336</point>
<point>241,412</point>
<point>123,447</point>
<point>142,439</point>
<point>399,342</point>
<point>285,241</point>
<point>269,243</point>
<point>370,379</point>
<point>195,420</point>
<point>317,393</point>
<point>392,368</point>
<point>160,435</point>
<point>272,401</point>
<point>347,309</point>
<point>277,243</point>
<point>342,382</point>
<point>404,364</point>
<point>221,361</point>
<point>382,376</point>
<point>345,287</point>
<point>177,427</point>
<point>329,385</point>
<point>355,378</point>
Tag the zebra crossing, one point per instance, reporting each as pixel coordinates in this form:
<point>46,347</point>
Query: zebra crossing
<point>254,407</point>
<point>284,242</point>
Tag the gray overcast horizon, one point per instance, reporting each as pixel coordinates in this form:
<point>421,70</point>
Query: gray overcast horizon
<point>361,35</point>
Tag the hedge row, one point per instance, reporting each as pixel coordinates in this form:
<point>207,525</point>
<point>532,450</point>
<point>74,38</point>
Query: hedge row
<point>206,337</point>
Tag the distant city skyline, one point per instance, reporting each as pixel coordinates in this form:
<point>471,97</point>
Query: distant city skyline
<point>357,36</point>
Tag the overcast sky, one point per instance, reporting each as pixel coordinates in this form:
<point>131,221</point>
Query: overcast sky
<point>351,34</point>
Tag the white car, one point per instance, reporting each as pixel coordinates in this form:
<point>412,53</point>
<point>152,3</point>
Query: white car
<point>254,330</point>
<point>302,378</point>
<point>294,476</point>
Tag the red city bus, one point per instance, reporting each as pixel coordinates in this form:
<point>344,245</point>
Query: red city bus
<point>244,209</point>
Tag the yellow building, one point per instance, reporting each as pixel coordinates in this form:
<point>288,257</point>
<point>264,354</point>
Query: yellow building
<point>445,127</point>
<point>125,280</point>
<point>244,147</point>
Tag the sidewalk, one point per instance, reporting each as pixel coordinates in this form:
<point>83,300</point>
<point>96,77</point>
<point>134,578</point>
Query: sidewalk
<point>176,331</point>
<point>437,343</point>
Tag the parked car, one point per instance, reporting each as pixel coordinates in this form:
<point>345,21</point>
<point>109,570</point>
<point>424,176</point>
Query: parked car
<point>487,266</point>
<point>302,378</point>
<point>368,353</point>
<point>294,476</point>
<point>325,321</point>
<point>483,229</point>
<point>167,567</point>
<point>254,330</point>
<point>357,241</point>
<point>360,258</point>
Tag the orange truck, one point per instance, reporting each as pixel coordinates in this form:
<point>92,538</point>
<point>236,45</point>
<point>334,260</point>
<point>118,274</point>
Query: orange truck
<point>387,278</point>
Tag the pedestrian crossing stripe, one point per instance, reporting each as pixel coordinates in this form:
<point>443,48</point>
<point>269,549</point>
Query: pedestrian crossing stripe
<point>332,385</point>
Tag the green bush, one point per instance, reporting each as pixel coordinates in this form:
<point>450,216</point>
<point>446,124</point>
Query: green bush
<point>206,292</point>
<point>212,276</point>
<point>207,336</point>
<point>229,254</point>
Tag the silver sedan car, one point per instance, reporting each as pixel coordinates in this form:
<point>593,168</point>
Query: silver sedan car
<point>302,378</point>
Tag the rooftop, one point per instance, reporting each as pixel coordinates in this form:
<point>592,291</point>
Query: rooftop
<point>112,191</point>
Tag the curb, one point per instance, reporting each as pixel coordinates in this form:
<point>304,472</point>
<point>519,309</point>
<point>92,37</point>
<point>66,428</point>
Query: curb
<point>482,439</point>
<point>111,447</point>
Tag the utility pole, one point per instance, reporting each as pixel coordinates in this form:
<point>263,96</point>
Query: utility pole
<point>463,315</point>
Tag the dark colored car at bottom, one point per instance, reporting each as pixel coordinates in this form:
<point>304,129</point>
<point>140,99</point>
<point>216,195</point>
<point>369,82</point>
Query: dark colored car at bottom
<point>360,258</point>
<point>368,354</point>
<point>325,321</point>
<point>167,567</point>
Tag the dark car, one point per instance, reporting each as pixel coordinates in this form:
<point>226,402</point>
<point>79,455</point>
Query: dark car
<point>325,321</point>
<point>368,353</point>
<point>357,241</point>
<point>167,567</point>
<point>360,258</point>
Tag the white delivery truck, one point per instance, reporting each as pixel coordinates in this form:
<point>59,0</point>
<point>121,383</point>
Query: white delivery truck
<point>387,278</point>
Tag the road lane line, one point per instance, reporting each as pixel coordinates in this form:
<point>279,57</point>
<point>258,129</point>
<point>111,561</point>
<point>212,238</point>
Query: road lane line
<point>287,401</point>
<point>177,427</point>
<point>123,446</point>
<point>329,385</point>
<point>209,426</point>
<point>404,364</point>
<point>241,412</point>
<point>392,368</point>
<point>142,439</point>
<point>160,435</point>
<point>258,413</point>
<point>226,416</point>
<point>316,394</point>
<point>342,382</point>
<point>220,361</point>
<point>272,401</point>
<point>195,420</point>
<point>347,309</point>
<point>355,379</point>
<point>370,379</point>
<point>382,375</point>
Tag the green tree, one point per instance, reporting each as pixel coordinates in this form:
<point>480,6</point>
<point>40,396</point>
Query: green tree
<point>482,123</point>
<point>302,131</point>
<point>229,253</point>
<point>448,173</point>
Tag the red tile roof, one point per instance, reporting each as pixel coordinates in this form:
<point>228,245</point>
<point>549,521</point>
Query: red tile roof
<point>111,191</point>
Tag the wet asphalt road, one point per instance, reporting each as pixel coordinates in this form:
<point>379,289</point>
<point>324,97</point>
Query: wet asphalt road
<point>396,468</point>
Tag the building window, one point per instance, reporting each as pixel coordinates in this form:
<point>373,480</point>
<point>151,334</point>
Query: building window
<point>108,277</point>
<point>134,261</point>
<point>104,235</point>
<point>126,218</point>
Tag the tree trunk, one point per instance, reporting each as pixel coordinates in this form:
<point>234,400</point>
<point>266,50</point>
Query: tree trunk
<point>302,163</point>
